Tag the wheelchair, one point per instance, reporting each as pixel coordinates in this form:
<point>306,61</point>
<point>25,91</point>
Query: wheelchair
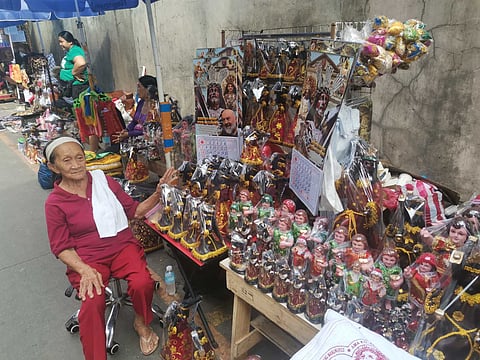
<point>115,298</point>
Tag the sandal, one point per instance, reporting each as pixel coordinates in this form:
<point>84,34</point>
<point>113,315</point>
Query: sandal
<point>148,344</point>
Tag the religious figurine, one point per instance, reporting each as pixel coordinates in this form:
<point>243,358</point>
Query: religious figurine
<point>246,209</point>
<point>316,303</point>
<point>319,262</point>
<point>251,150</point>
<point>359,251</point>
<point>210,240</point>
<point>166,198</point>
<point>264,209</point>
<point>297,294</point>
<point>281,283</point>
<point>319,232</point>
<point>278,125</point>
<point>459,229</point>
<point>252,255</point>
<point>373,288</point>
<point>339,243</point>
<point>177,230</point>
<point>301,256</point>
<point>391,273</point>
<point>192,217</point>
<point>283,237</point>
<point>287,208</point>
<point>300,225</point>
<point>266,274</point>
<point>236,253</point>
<point>422,277</point>
<point>353,281</point>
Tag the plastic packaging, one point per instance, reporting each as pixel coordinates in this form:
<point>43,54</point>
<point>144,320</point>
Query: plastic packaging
<point>170,280</point>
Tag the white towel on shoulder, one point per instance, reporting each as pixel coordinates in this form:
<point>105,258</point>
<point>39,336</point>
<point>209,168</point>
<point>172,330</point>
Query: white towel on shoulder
<point>108,213</point>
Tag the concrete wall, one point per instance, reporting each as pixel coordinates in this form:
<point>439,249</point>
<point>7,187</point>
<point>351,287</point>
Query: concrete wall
<point>424,119</point>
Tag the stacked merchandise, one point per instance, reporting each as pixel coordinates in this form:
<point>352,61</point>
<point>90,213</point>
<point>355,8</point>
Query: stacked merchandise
<point>321,226</point>
<point>109,163</point>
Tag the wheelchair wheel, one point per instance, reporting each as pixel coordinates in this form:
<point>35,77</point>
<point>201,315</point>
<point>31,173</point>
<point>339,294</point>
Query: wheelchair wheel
<point>113,349</point>
<point>72,326</point>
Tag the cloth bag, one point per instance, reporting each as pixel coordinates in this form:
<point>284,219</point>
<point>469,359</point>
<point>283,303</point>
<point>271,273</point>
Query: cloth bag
<point>45,176</point>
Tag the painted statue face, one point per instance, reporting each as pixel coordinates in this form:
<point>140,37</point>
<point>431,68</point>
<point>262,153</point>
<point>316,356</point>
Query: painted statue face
<point>282,225</point>
<point>458,236</point>
<point>425,267</point>
<point>358,245</point>
<point>389,260</point>
<point>339,237</point>
<point>299,218</point>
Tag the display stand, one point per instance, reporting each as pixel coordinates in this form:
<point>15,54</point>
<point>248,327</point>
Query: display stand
<point>288,331</point>
<point>177,249</point>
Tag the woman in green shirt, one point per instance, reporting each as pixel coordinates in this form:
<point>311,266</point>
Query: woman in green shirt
<point>73,65</point>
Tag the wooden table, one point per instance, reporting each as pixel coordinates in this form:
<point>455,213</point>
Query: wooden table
<point>288,331</point>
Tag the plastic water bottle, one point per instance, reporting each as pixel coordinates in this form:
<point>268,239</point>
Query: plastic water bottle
<point>170,280</point>
<point>106,139</point>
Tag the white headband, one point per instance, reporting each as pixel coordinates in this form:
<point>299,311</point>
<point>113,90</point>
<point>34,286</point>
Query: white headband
<point>57,142</point>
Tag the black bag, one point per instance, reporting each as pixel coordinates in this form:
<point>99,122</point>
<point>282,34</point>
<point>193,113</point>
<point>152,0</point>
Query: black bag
<point>65,88</point>
<point>46,177</point>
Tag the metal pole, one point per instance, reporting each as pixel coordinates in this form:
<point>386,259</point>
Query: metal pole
<point>83,42</point>
<point>40,37</point>
<point>158,73</point>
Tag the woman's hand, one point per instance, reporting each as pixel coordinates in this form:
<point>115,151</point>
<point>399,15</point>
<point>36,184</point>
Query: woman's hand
<point>170,177</point>
<point>119,137</point>
<point>90,279</point>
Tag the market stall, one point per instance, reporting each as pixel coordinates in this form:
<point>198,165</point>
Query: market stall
<point>296,195</point>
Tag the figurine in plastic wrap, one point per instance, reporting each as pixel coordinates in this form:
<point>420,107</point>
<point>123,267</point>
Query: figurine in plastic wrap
<point>339,243</point>
<point>297,294</point>
<point>192,217</point>
<point>422,278</point>
<point>236,253</point>
<point>373,289</point>
<point>264,208</point>
<point>283,237</point>
<point>319,233</point>
<point>251,154</point>
<point>281,282</point>
<point>392,274</point>
<point>252,256</point>
<point>177,230</point>
<point>246,208</point>
<point>459,229</point>
<point>287,208</point>
<point>473,216</point>
<point>165,221</point>
<point>300,225</point>
<point>210,240</point>
<point>316,304</point>
<point>319,262</point>
<point>266,274</point>
<point>353,281</point>
<point>301,256</point>
<point>359,252</point>
<point>453,330</point>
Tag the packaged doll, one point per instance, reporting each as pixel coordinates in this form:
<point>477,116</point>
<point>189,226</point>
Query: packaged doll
<point>319,262</point>
<point>297,294</point>
<point>422,277</point>
<point>338,243</point>
<point>236,253</point>
<point>457,232</point>
<point>252,255</point>
<point>281,283</point>
<point>316,304</point>
<point>287,208</point>
<point>392,274</point>
<point>266,275</point>
<point>359,252</point>
<point>264,208</point>
<point>373,289</point>
<point>300,225</point>
<point>283,237</point>
<point>301,256</point>
<point>353,281</point>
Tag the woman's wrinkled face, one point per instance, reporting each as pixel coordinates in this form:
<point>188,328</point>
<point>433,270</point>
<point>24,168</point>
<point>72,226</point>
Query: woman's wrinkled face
<point>64,44</point>
<point>69,161</point>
